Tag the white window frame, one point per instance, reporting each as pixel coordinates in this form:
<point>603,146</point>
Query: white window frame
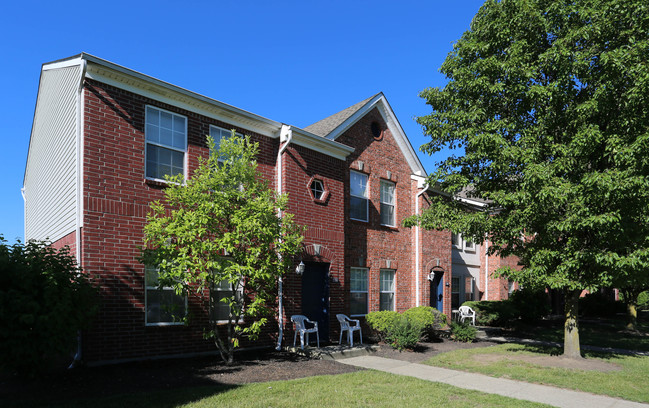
<point>366,197</point>
<point>147,289</point>
<point>216,288</point>
<point>384,202</point>
<point>148,142</point>
<point>314,190</point>
<point>388,291</point>
<point>469,245</point>
<point>366,272</point>
<point>224,134</point>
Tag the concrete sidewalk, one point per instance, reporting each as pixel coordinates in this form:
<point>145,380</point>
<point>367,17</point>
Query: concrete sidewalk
<point>557,397</point>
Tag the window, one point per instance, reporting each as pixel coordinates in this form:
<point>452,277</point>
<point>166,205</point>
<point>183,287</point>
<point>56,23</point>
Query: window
<point>220,134</point>
<point>456,240</point>
<point>455,293</point>
<point>220,291</point>
<point>358,285</point>
<point>317,189</point>
<point>469,245</point>
<point>468,288</point>
<point>163,306</point>
<point>166,143</point>
<point>387,203</point>
<point>386,289</point>
<point>358,203</point>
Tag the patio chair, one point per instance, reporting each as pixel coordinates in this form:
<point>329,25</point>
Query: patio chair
<point>300,327</point>
<point>345,325</point>
<point>467,313</point>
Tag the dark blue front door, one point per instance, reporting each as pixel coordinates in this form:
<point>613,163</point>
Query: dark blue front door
<point>315,296</point>
<point>437,291</point>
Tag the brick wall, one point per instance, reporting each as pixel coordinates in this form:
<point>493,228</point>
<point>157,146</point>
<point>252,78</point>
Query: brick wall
<point>116,200</point>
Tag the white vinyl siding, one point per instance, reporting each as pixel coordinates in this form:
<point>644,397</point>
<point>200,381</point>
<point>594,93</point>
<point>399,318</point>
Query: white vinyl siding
<point>51,173</point>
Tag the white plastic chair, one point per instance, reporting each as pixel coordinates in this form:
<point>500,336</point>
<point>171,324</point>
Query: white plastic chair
<point>345,325</point>
<point>300,327</point>
<point>465,313</point>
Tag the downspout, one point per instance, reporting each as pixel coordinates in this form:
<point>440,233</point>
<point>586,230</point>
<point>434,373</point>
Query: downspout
<point>486,271</point>
<point>285,135</point>
<point>79,169</point>
<point>417,251</point>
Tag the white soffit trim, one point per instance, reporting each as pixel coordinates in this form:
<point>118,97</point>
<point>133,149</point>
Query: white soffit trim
<point>141,84</point>
<point>320,144</point>
<point>381,103</point>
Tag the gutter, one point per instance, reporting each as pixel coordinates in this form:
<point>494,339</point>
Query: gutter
<point>486,269</point>
<point>417,252</point>
<point>79,193</point>
<point>286,136</point>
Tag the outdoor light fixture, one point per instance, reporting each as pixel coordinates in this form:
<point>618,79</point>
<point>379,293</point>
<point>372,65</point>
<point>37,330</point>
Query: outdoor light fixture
<point>300,268</point>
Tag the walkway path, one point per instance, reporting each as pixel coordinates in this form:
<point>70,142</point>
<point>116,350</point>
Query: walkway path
<point>557,397</point>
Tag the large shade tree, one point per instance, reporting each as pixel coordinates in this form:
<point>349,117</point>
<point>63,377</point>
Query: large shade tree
<point>219,229</point>
<point>546,110</point>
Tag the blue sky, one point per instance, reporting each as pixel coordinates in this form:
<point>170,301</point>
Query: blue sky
<point>291,61</point>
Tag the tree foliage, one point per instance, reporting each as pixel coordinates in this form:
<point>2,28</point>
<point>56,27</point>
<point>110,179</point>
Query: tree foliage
<point>45,300</point>
<point>222,225</point>
<point>546,108</point>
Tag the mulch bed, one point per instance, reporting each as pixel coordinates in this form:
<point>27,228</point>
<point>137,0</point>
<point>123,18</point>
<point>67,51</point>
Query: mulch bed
<point>157,375</point>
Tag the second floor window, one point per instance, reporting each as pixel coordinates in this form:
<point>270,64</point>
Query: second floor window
<point>166,143</point>
<point>358,202</point>
<point>387,203</point>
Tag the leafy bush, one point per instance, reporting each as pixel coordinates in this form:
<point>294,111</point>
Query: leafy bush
<point>381,322</point>
<point>599,304</point>
<point>530,304</point>
<point>493,312</point>
<point>643,300</point>
<point>405,332</point>
<point>463,332</point>
<point>428,317</point>
<point>44,301</point>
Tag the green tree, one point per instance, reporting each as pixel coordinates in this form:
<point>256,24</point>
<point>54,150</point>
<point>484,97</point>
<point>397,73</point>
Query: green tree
<point>545,111</point>
<point>221,227</point>
<point>45,300</point>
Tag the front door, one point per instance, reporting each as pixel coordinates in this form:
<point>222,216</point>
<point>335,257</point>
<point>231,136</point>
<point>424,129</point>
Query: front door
<point>437,291</point>
<point>315,296</point>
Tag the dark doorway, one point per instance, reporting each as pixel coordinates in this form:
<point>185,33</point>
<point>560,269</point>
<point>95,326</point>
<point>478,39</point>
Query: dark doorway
<point>315,296</point>
<point>437,291</point>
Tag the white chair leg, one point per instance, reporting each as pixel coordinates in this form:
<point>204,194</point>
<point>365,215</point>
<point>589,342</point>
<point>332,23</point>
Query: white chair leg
<point>294,338</point>
<point>341,337</point>
<point>317,336</point>
<point>360,333</point>
<point>302,339</point>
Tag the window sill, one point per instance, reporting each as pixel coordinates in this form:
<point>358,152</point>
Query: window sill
<point>165,324</point>
<point>156,182</point>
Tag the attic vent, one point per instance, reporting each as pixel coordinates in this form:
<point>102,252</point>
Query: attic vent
<point>376,130</point>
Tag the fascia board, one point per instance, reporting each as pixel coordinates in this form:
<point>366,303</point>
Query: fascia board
<point>390,118</point>
<point>141,84</point>
<point>320,144</point>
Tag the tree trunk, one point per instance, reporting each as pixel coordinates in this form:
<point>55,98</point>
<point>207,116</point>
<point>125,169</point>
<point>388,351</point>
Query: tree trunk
<point>571,348</point>
<point>632,315</point>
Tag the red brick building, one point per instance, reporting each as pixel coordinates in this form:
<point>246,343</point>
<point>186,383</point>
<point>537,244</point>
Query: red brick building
<point>104,136</point>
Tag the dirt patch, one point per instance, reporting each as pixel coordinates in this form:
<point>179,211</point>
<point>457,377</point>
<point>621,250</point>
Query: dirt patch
<point>551,361</point>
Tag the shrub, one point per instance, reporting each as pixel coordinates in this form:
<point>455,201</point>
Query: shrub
<point>643,300</point>
<point>381,322</point>
<point>428,317</point>
<point>530,304</point>
<point>463,332</point>
<point>493,312</point>
<point>404,333</point>
<point>44,301</point>
<point>599,304</point>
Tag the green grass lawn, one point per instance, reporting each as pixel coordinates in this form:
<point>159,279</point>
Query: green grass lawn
<point>359,389</point>
<point>629,383</point>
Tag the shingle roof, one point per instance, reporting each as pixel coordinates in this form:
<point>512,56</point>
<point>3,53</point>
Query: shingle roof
<point>328,124</point>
